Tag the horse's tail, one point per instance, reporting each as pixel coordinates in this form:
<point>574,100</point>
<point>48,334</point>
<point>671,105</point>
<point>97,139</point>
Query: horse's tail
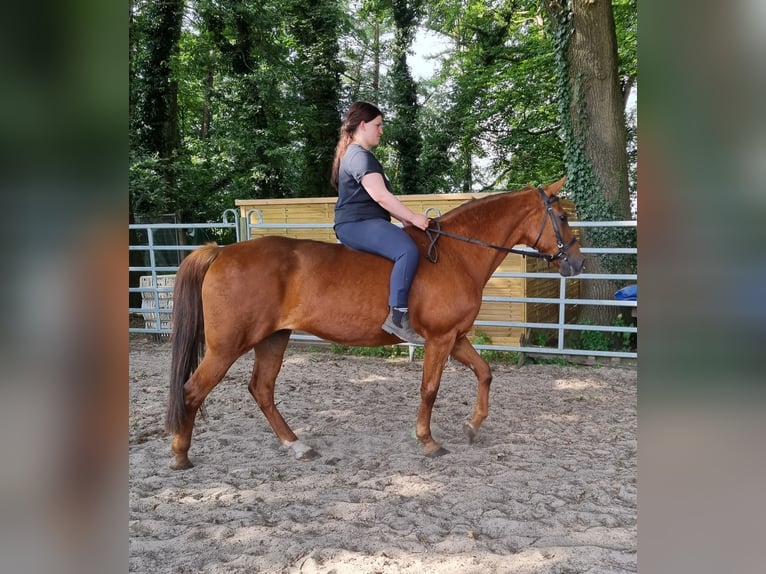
<point>188,336</point>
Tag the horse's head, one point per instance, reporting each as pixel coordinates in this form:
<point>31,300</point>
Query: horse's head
<point>555,238</point>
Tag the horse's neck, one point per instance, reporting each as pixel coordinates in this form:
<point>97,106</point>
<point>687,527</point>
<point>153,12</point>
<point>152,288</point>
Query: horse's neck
<point>496,220</point>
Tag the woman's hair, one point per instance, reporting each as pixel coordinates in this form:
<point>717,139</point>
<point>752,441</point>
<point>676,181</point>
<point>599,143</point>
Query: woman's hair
<point>358,112</point>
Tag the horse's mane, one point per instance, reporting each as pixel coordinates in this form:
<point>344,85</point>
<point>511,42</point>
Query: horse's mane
<point>477,207</point>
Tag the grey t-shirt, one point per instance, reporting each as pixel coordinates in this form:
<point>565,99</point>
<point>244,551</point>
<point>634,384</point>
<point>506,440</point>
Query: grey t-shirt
<point>354,203</point>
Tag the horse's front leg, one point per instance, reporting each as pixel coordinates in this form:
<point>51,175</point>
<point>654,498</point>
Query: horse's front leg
<point>436,355</point>
<point>464,352</point>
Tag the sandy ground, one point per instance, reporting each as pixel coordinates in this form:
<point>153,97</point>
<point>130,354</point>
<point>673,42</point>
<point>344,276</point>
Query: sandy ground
<point>549,485</point>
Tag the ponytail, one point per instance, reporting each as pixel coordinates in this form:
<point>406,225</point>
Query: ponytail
<point>340,150</point>
<point>358,112</point>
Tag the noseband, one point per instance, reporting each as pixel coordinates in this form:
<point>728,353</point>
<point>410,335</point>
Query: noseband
<point>433,235</point>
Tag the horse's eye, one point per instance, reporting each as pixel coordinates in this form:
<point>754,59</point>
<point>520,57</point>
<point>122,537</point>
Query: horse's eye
<point>563,217</point>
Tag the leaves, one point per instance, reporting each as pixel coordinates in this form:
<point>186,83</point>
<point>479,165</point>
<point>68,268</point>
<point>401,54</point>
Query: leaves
<point>246,100</point>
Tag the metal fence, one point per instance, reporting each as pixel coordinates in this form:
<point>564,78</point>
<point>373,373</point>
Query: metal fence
<point>160,263</point>
<point>158,272</point>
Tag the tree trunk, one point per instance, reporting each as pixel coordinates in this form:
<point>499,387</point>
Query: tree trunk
<point>376,63</point>
<point>466,165</point>
<point>598,182</point>
<point>161,108</point>
<point>315,32</point>
<point>205,125</point>
<point>594,81</point>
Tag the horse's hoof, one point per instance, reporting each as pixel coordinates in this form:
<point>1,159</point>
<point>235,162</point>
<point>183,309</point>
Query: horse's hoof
<point>469,432</point>
<point>441,451</point>
<point>181,464</point>
<point>310,454</point>
<point>301,451</point>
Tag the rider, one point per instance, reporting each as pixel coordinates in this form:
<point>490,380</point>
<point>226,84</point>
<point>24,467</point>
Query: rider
<point>364,208</point>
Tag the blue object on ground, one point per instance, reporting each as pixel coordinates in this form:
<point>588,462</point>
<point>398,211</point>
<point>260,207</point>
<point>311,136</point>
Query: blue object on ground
<point>628,293</point>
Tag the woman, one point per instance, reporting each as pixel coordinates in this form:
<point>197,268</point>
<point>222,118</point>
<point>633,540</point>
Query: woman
<point>364,209</point>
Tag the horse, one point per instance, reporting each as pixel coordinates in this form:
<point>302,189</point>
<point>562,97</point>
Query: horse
<point>252,295</point>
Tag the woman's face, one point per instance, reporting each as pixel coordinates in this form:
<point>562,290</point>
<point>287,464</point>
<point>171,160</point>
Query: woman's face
<point>368,133</point>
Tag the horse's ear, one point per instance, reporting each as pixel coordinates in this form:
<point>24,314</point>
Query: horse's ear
<point>554,188</point>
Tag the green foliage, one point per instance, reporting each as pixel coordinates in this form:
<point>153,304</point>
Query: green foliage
<point>626,28</point>
<point>594,340</point>
<point>155,32</point>
<point>315,27</point>
<point>386,352</point>
<point>255,106</point>
<point>147,184</point>
<point>553,360</point>
<point>244,99</point>
<point>482,338</point>
<point>497,124</point>
<point>625,339</point>
<point>539,338</point>
<point>403,133</point>
<point>604,340</point>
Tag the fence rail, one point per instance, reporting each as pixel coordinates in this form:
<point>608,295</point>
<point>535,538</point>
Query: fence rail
<point>161,260</point>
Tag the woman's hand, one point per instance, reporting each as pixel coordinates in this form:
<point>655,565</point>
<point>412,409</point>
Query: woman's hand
<point>420,221</point>
<point>376,188</point>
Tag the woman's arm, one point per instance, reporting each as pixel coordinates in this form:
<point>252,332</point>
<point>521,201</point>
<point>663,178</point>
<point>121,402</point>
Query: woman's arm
<point>376,188</point>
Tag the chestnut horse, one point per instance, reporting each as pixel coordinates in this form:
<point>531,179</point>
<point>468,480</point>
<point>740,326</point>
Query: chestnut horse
<point>253,294</point>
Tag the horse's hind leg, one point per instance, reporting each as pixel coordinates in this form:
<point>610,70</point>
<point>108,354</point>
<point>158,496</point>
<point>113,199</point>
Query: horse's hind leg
<point>204,379</point>
<point>466,354</point>
<point>268,362</point>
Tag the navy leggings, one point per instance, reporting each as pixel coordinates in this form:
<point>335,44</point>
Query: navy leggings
<point>383,238</point>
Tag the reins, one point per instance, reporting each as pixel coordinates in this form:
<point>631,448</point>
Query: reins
<point>433,236</point>
<point>434,233</point>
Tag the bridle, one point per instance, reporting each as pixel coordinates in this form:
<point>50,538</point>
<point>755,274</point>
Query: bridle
<point>433,234</point>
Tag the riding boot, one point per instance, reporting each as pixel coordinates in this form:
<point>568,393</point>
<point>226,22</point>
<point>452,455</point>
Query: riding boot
<point>398,323</point>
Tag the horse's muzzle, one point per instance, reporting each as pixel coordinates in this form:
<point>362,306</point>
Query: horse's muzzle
<point>572,265</point>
